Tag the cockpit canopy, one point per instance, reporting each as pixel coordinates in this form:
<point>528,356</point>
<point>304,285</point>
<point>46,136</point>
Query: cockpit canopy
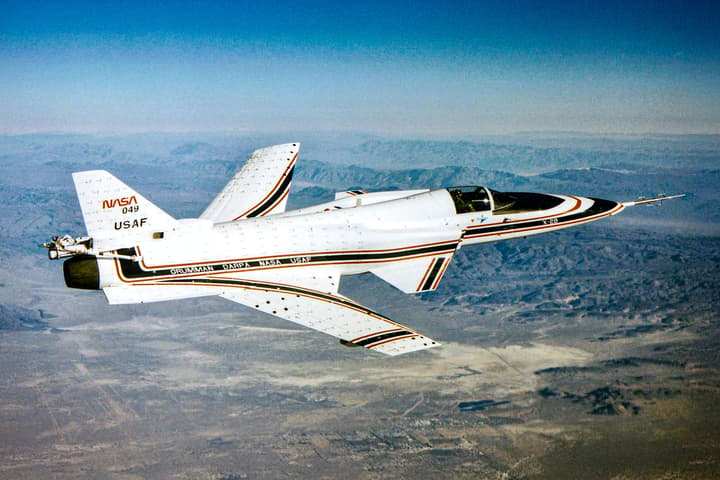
<point>481,199</point>
<point>470,199</point>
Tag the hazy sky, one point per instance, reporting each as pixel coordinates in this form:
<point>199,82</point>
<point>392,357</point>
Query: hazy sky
<point>383,66</point>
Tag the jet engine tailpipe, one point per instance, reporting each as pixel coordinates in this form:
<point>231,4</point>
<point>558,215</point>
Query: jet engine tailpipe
<point>81,271</point>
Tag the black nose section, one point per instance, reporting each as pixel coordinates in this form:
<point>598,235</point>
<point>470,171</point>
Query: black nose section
<point>81,271</point>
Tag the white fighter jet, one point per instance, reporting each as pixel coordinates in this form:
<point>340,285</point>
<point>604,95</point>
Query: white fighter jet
<point>246,248</point>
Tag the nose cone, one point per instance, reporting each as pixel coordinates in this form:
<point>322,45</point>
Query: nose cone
<point>81,271</point>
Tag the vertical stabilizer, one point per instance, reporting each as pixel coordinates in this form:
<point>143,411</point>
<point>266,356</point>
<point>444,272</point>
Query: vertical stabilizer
<point>260,188</point>
<point>111,209</point>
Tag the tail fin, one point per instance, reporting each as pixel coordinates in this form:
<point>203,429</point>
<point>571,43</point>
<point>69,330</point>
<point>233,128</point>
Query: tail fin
<point>260,188</point>
<point>111,209</point>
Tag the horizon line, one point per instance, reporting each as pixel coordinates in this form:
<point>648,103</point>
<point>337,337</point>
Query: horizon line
<point>243,132</point>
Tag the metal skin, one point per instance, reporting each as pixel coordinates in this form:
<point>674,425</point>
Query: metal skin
<point>248,249</point>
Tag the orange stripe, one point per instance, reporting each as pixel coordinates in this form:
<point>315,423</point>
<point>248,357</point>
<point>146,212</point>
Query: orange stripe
<point>440,275</point>
<point>378,333</point>
<point>304,254</point>
<point>556,226</point>
<point>284,196</point>
<point>272,191</point>
<point>269,267</point>
<point>365,311</point>
<point>427,271</point>
<point>578,202</point>
<point>414,334</point>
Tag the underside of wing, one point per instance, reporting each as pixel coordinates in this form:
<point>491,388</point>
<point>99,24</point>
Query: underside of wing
<point>328,312</point>
<point>260,187</point>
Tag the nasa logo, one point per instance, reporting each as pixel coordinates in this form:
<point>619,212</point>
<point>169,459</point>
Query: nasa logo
<point>119,202</point>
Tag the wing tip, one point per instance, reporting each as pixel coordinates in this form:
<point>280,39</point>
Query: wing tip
<point>405,345</point>
<point>294,147</point>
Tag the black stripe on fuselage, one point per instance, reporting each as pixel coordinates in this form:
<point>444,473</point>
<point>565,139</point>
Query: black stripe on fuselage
<point>599,206</point>
<point>133,270</point>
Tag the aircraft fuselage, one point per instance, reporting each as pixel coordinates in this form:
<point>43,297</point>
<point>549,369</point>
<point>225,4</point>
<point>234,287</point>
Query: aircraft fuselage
<point>350,238</point>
